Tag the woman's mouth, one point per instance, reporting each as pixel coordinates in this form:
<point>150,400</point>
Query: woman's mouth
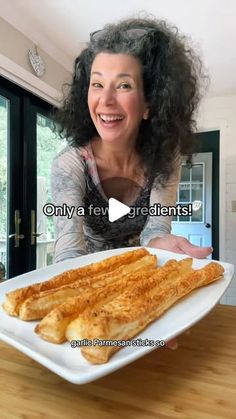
<point>110,120</point>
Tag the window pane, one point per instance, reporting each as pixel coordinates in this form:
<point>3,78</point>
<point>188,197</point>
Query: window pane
<point>4,110</point>
<point>48,145</point>
<point>197,189</point>
<point>185,173</point>
<point>184,192</point>
<point>190,190</point>
<point>197,215</point>
<point>197,172</point>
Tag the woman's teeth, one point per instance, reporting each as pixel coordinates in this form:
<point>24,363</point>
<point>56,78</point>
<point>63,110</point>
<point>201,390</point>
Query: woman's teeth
<point>110,118</point>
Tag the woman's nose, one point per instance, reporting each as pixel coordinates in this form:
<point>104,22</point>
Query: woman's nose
<point>107,96</point>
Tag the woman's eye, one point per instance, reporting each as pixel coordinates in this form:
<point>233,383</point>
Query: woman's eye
<point>124,86</point>
<point>96,84</point>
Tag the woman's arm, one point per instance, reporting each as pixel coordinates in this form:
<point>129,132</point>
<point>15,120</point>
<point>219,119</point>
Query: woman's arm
<point>68,186</point>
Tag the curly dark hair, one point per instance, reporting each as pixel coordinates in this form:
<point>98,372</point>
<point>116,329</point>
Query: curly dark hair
<point>171,78</point>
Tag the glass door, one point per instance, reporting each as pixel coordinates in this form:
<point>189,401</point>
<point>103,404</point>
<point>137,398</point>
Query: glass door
<point>195,188</point>
<point>10,180</point>
<point>4,113</point>
<point>28,145</point>
<point>48,146</point>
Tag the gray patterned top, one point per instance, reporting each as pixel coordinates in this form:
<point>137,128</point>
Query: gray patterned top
<point>75,183</point>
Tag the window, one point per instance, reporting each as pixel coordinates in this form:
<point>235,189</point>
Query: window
<point>27,148</point>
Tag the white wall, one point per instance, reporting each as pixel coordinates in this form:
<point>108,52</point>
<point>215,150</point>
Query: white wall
<point>14,65</point>
<point>220,113</point>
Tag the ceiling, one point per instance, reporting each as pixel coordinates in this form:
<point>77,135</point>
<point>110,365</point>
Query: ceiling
<point>62,27</point>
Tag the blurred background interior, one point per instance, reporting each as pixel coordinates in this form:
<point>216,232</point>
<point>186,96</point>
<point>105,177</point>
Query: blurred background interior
<point>37,48</point>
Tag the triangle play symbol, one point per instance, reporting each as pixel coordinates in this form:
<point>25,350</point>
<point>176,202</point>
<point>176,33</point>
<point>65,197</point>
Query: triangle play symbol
<point>116,210</point>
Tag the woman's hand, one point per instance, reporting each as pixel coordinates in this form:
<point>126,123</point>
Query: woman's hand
<point>180,244</point>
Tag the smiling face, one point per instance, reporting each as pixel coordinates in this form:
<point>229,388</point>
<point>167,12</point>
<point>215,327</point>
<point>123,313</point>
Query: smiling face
<point>115,97</point>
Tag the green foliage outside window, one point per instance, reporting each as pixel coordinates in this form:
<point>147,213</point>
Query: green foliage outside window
<point>48,146</point>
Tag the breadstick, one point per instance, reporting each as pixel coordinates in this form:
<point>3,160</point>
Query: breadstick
<point>129,313</point>
<point>39,305</point>
<point>53,326</point>
<point>15,298</point>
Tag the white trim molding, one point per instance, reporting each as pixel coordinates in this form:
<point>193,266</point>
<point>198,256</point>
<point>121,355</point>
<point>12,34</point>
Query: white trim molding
<point>12,71</point>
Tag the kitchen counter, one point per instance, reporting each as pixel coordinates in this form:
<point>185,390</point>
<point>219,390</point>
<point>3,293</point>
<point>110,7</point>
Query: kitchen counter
<point>196,381</point>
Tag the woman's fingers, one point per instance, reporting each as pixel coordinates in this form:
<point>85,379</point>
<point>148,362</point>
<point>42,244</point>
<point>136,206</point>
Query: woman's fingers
<point>193,250</point>
<point>180,245</point>
<point>172,344</point>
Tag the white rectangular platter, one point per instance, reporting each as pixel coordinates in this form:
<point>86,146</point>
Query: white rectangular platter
<point>68,362</point>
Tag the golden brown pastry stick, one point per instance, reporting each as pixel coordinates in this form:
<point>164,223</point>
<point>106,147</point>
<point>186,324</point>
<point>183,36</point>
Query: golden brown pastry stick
<point>53,326</point>
<point>39,305</point>
<point>15,298</point>
<point>128,314</point>
<point>161,277</point>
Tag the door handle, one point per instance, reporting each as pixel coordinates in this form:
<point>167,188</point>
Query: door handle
<point>34,235</point>
<point>37,234</point>
<point>207,225</point>
<point>17,234</point>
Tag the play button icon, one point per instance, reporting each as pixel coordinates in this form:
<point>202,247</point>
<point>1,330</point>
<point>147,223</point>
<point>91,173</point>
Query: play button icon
<point>116,209</point>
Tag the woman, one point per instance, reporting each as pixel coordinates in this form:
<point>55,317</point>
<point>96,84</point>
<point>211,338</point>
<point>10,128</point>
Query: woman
<point>128,118</point>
